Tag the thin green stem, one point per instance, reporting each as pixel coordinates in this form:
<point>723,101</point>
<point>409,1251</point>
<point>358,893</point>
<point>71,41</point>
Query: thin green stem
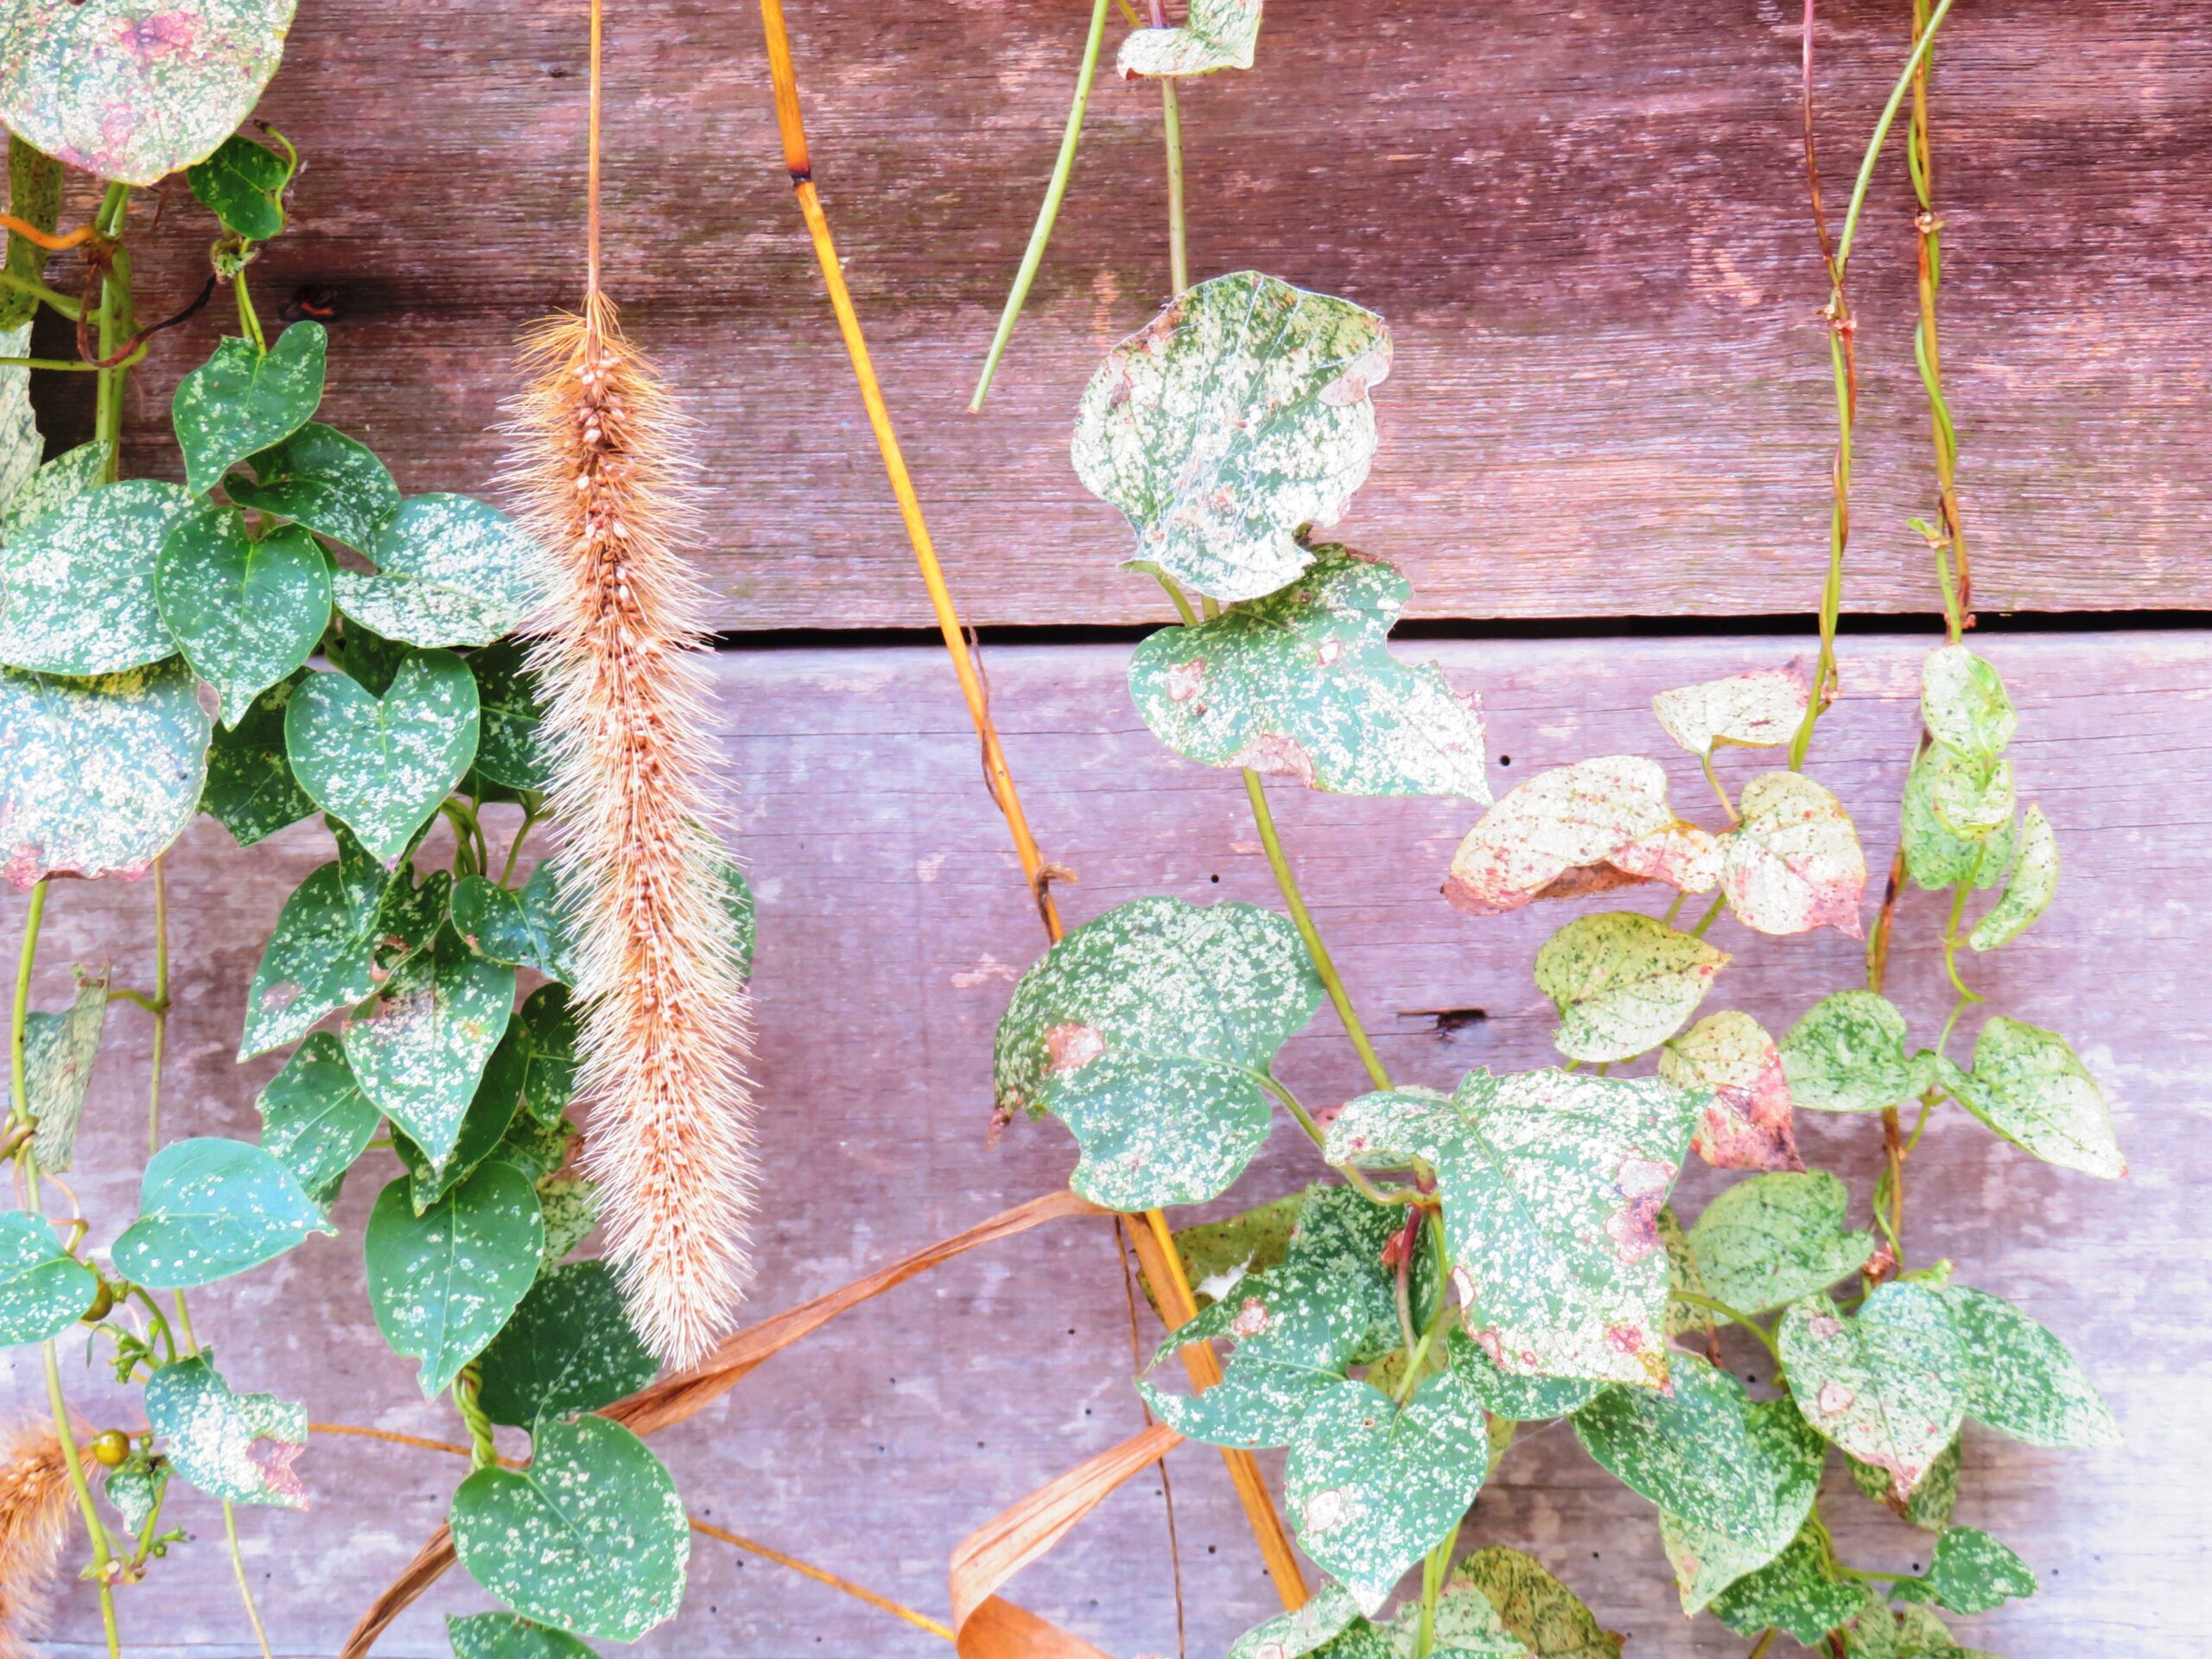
<point>1682,897</point>
<point>1920,51</point>
<point>248,320</point>
<point>1765,1640</point>
<point>1711,1305</point>
<point>514,847</point>
<point>1171,121</point>
<point>1712,915</point>
<point>1358,1180</point>
<point>159,1007</point>
<point>1063,170</point>
<point>1710,777</point>
<point>19,1094</point>
<point>68,308</point>
<point>1435,1567</point>
<point>238,1568</point>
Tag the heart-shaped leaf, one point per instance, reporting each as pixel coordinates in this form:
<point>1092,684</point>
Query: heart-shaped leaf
<point>381,764</point>
<point>1623,982</point>
<point>1847,1054</point>
<point>238,1447</point>
<point>1371,1486</point>
<point>246,612</point>
<point>1512,1396</point>
<point>443,1282</point>
<point>1962,702</point>
<point>321,478</point>
<point>1552,1185</point>
<point>251,791</point>
<point>419,1049</point>
<point>545,1030</point>
<point>2019,1378</point>
<point>77,583</point>
<point>1970,1572</point>
<point>243,185</point>
<point>2027,1085</point>
<point>210,1208</point>
<point>314,1117</point>
<point>58,1053</point>
<point>502,1635</point>
<point>1796,1591</point>
<point>484,1127</point>
<point>97,776</point>
<point>53,486</point>
<point>1884,1383</point>
<point>509,753</point>
<point>1970,799</point>
<point>569,1348</point>
<point>1542,1616</point>
<point>450,571</point>
<point>1756,710</point>
<point>43,1289</point>
<point>2028,890</point>
<point>337,938</point>
<point>242,400</point>
<point>1747,1122</point>
<point>1936,857</point>
<point>1309,1628</point>
<point>1793,862</point>
<point>1215,34</point>
<point>1932,1501</point>
<point>1239,414</point>
<point>131,90</point>
<point>1146,1032</point>
<point>35,181</point>
<point>591,1536</point>
<point>1608,814</point>
<point>1769,1241</point>
<point>523,926</point>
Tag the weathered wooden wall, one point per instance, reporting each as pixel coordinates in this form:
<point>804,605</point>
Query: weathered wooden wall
<point>892,923</point>
<point>1586,223</point>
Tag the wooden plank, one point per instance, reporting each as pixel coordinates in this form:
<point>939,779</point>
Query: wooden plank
<point>1586,223</point>
<point>893,925</point>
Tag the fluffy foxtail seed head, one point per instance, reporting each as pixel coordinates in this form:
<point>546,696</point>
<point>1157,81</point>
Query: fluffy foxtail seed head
<point>601,464</point>
<point>36,1507</point>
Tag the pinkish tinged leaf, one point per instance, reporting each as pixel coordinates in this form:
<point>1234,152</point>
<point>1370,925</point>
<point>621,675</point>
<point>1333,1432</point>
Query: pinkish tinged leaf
<point>1756,710</point>
<point>1612,811</point>
<point>1793,862</point>
<point>1747,1122</point>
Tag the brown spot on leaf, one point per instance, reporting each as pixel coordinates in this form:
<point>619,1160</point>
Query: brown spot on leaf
<point>1071,1047</point>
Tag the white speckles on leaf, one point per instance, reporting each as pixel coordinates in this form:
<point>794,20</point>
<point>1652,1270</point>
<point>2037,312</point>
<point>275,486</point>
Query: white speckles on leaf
<point>1747,1122</point>
<point>58,1053</point>
<point>420,1048</point>
<point>1847,1054</point>
<point>210,1208</point>
<point>1970,1572</point>
<point>2028,889</point>
<point>242,400</point>
<point>1326,1613</point>
<point>332,945</point>
<point>1611,812</point>
<point>1622,982</point>
<point>1796,1591</point>
<point>1756,710</point>
<point>236,1446</point>
<point>322,478</point>
<point>1793,862</point>
<point>1963,704</point>
<point>313,1115</point>
<point>2028,1086</point>
<point>60,481</point>
<point>1216,35</point>
<point>246,612</point>
<point>1936,856</point>
<point>43,1289</point>
<point>1884,1383</point>
<point>77,584</point>
<point>1184,1004</point>
<point>381,764</point>
<point>444,1283</point>
<point>2019,1378</point>
<point>1494,1590</point>
<point>568,1348</point>
<point>1300,684</point>
<point>502,1635</point>
<point>1240,414</point>
<point>450,571</point>
<point>1768,1241</point>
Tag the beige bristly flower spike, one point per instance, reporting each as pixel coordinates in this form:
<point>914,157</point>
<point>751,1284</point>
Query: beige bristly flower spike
<point>36,1508</point>
<point>601,466</point>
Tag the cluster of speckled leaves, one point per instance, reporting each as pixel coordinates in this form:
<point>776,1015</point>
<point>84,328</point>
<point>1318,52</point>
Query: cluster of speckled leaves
<point>1494,1604</point>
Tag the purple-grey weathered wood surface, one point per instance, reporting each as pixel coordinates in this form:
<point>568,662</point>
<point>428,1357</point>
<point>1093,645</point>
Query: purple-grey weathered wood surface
<point>892,925</point>
<point>1586,223</point>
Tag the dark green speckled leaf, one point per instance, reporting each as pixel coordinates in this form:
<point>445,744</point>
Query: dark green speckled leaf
<point>2020,1380</point>
<point>1536,1610</point>
<point>43,1289</point>
<point>58,1053</point>
<point>443,1282</point>
<point>57,483</point>
<point>238,1447</point>
<point>97,776</point>
<point>483,1130</point>
<point>381,764</point>
<point>321,478</point>
<point>1793,1592</point>
<point>131,90</point>
<point>520,926</point>
<point>1142,1031</point>
<point>251,791</point>
<point>1215,34</point>
<point>592,1536</point>
<point>1300,684</point>
<point>1327,1613</point>
<point>1217,1255</point>
<point>314,1117</point>
<point>502,1635</point>
<point>506,692</point>
<point>246,613</point>
<point>1770,1239</point>
<point>1623,982</point>
<point>241,401</point>
<point>450,571</point>
<point>1884,1383</point>
<point>568,1348</point>
<point>419,1049</point>
<point>1970,1572</point>
<point>1932,1501</point>
<point>241,184</point>
<point>77,583</point>
<point>1239,414</point>
<point>545,1030</point>
<point>2027,1085</point>
<point>34,196</point>
<point>209,1208</point>
<point>1552,1184</point>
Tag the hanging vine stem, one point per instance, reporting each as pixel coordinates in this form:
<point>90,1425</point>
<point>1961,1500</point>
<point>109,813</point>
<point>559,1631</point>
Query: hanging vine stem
<point>1952,568</point>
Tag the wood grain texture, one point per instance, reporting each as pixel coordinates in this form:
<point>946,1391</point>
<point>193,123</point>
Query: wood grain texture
<point>1586,223</point>
<point>893,925</point>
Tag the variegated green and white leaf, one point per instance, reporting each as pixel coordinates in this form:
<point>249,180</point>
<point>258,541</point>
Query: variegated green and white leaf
<point>251,791</point>
<point>484,1128</point>
<point>444,1283</point>
<point>502,1635</point>
<point>1217,1255</point>
<point>243,185</point>
<point>96,776</point>
<point>238,1447</point>
<point>1970,1572</point>
<point>21,443</point>
<point>1884,1383</point>
<point>1328,1612</point>
<point>1932,1501</point>
<point>2019,1379</point>
<point>1552,1185</point>
<point>568,1348</point>
<point>1793,861</point>
<point>570,1206</point>
<point>419,1047</point>
<point>243,400</point>
<point>381,764</point>
<point>1747,1122</point>
<point>509,751</point>
<point>1769,1241</point>
<point>1794,1593</point>
<point>43,1289</point>
<point>1542,1615</point>
<point>246,613</point>
<point>77,583</point>
<point>1239,414</point>
<point>35,185</point>
<point>314,1117</point>
<point>210,1208</point>
<point>2027,1085</point>
<point>1963,704</point>
<point>590,1537</point>
<point>1515,1396</point>
<point>131,90</point>
<point>321,478</point>
<point>2028,890</point>
<point>525,927</point>
<point>1301,685</point>
<point>450,571</point>
<point>1611,813</point>
<point>545,1030</point>
<point>1623,982</point>
<point>1935,857</point>
<point>1370,1487</point>
<point>1144,1032</point>
<point>1215,34</point>
<point>58,1053</point>
<point>54,485</point>
<point>1847,1054</point>
<point>1756,710</point>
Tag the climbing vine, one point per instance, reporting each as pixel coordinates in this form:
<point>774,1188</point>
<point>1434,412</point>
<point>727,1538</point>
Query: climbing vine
<point>1481,1252</point>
